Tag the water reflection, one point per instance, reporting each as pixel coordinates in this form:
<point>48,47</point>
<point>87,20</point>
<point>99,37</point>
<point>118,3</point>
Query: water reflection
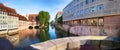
<point>52,32</point>
<point>32,36</point>
<point>28,36</point>
<point>43,35</point>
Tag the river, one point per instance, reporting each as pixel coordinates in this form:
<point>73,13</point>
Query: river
<point>27,37</point>
<point>32,36</point>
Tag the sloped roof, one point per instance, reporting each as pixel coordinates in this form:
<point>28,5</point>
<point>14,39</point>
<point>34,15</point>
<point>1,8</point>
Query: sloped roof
<point>11,10</point>
<point>22,17</point>
<point>33,15</point>
<point>58,13</point>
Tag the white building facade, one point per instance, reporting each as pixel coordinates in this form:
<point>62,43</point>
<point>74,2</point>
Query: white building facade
<point>3,20</point>
<point>13,22</point>
<point>8,18</point>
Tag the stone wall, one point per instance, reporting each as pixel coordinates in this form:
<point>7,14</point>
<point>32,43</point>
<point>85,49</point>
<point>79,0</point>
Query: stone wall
<point>64,43</point>
<point>112,24</point>
<point>66,27</point>
<point>110,27</point>
<point>85,30</point>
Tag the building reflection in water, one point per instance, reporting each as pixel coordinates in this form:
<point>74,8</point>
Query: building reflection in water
<point>32,36</point>
<point>27,37</point>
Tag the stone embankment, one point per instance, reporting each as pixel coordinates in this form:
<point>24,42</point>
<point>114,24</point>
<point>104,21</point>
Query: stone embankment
<point>12,35</point>
<point>91,30</point>
<point>66,43</point>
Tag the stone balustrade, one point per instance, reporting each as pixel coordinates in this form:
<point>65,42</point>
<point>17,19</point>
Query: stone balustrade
<point>63,43</point>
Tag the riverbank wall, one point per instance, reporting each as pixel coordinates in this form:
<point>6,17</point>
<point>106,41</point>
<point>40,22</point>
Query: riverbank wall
<point>12,35</point>
<point>91,30</point>
<point>12,31</point>
<point>4,33</point>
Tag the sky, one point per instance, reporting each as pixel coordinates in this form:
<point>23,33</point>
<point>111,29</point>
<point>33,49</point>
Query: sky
<point>24,7</point>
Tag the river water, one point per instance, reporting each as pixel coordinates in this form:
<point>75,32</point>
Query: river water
<point>27,37</point>
<point>33,36</point>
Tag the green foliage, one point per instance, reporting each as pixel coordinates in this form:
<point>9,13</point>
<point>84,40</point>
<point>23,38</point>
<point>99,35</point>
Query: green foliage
<point>60,20</point>
<point>44,35</point>
<point>44,17</point>
<point>52,22</point>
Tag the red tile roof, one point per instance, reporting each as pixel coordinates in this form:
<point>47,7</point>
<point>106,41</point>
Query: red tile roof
<point>32,17</point>
<point>22,17</point>
<point>58,13</point>
<point>11,12</point>
<point>7,9</point>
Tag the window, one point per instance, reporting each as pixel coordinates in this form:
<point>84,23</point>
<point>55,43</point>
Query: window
<point>93,22</point>
<point>82,4</point>
<point>78,0</point>
<point>3,17</point>
<point>93,9</point>
<point>87,10</point>
<point>87,1</point>
<point>101,21</point>
<point>84,22</point>
<point>0,12</point>
<point>75,22</point>
<point>0,8</point>
<point>81,12</point>
<point>90,21</point>
<point>93,0</point>
<point>100,7</point>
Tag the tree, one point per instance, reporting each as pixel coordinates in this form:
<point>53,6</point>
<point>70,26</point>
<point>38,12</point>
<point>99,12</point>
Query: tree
<point>47,18</point>
<point>44,17</point>
<point>60,20</point>
<point>52,22</point>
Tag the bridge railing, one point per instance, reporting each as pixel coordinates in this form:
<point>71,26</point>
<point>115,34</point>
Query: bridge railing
<point>66,43</point>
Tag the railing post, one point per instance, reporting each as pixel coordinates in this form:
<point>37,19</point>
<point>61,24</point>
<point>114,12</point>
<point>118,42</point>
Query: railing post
<point>67,46</point>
